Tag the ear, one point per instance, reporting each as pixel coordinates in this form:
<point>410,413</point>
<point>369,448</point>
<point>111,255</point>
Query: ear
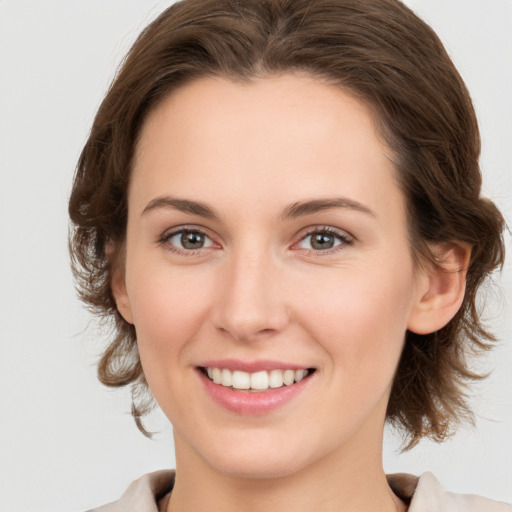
<point>441,287</point>
<point>117,259</point>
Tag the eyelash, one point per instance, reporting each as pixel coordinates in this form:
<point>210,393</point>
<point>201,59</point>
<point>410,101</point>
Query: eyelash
<point>343,238</point>
<point>166,237</point>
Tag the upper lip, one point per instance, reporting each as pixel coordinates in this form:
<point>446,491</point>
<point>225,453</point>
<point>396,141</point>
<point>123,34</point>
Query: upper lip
<point>251,366</point>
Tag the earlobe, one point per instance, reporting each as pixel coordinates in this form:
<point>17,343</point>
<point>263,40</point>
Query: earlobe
<point>118,282</point>
<point>442,288</point>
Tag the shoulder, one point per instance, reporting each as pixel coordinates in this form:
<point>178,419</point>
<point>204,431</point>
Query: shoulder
<point>427,495</point>
<point>143,494</point>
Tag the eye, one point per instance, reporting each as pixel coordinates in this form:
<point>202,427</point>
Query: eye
<point>324,239</point>
<point>187,240</point>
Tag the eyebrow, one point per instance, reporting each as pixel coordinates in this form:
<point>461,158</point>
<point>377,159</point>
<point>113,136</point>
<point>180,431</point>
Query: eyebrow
<point>183,205</point>
<point>295,210</point>
<point>301,208</point>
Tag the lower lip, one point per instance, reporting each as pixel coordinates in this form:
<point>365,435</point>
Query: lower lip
<point>260,402</point>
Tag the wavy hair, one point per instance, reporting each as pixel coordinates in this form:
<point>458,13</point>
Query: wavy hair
<point>380,52</point>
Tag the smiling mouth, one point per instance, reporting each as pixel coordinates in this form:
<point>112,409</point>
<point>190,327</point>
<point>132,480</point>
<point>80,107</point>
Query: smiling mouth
<point>257,381</point>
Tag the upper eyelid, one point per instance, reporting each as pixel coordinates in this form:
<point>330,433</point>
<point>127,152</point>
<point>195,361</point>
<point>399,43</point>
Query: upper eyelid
<point>344,237</point>
<point>329,229</point>
<point>305,231</point>
<point>168,233</point>
<point>165,238</point>
<point>172,232</point>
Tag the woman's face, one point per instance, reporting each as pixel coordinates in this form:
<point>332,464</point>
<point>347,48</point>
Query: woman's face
<point>267,235</point>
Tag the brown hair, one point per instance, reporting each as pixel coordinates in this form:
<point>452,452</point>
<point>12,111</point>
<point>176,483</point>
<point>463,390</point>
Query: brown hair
<point>377,50</point>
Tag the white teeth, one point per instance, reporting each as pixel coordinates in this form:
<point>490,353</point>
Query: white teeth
<point>275,379</point>
<point>259,381</point>
<point>289,377</point>
<point>226,378</point>
<point>300,374</point>
<point>216,376</point>
<point>241,380</point>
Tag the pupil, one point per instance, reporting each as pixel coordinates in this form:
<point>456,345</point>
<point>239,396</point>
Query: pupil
<point>192,240</point>
<point>322,241</point>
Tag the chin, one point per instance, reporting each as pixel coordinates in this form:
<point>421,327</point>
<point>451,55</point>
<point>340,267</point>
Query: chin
<point>252,468</point>
<point>258,462</point>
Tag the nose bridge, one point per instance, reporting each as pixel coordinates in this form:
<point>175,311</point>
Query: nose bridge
<point>251,300</point>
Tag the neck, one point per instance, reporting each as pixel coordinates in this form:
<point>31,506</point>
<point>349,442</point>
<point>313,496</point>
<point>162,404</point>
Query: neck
<point>348,482</point>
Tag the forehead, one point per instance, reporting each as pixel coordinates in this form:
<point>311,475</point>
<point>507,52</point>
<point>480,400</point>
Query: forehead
<point>292,135</point>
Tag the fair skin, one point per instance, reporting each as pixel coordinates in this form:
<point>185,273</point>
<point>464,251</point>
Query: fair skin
<point>257,284</point>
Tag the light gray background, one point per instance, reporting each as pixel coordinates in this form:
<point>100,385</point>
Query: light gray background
<point>67,443</point>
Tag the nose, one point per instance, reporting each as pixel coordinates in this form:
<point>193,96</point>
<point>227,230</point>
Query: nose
<point>251,303</point>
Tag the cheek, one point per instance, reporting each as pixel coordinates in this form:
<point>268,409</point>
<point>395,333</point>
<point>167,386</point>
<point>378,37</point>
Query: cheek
<point>361,318</point>
<point>168,311</point>
<point>168,308</point>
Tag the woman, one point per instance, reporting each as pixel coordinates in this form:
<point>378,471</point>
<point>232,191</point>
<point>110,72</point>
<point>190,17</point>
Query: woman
<point>279,205</point>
